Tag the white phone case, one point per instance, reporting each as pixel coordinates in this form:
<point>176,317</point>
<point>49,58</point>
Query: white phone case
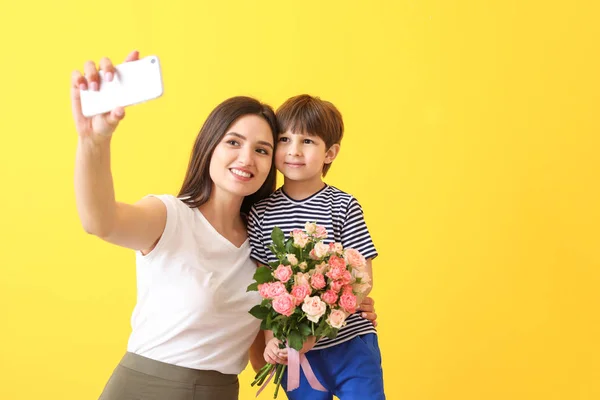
<point>134,82</point>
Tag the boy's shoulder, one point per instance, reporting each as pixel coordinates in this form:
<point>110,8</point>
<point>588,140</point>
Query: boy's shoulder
<point>337,195</point>
<point>337,191</point>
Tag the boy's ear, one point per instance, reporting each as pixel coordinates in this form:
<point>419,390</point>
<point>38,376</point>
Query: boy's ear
<point>332,153</point>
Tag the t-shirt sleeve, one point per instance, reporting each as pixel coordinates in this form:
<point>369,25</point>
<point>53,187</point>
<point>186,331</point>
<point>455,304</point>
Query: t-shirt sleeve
<point>355,234</point>
<point>172,225</point>
<point>255,234</point>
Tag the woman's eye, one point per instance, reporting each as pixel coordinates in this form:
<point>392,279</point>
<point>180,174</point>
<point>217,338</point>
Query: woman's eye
<point>262,151</point>
<point>233,142</point>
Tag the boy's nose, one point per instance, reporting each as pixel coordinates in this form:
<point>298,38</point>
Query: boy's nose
<point>294,150</point>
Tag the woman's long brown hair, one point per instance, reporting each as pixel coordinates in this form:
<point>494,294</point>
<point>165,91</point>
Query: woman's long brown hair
<point>197,185</point>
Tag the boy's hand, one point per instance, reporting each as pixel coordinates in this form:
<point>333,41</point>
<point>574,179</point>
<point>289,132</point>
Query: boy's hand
<point>368,310</point>
<point>273,354</point>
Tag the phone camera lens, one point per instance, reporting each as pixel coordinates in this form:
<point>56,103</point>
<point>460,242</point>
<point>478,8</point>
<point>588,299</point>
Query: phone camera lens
<point>153,61</point>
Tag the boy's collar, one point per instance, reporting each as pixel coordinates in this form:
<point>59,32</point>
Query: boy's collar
<point>282,188</point>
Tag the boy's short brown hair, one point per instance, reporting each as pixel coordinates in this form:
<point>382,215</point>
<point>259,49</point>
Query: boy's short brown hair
<point>313,116</point>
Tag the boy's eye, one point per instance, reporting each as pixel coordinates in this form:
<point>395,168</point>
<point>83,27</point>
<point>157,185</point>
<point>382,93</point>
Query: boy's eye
<point>308,141</point>
<point>284,139</point>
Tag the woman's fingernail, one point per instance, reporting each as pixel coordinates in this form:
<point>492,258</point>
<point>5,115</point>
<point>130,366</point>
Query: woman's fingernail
<point>364,315</point>
<point>108,76</point>
<point>94,85</point>
<point>82,86</point>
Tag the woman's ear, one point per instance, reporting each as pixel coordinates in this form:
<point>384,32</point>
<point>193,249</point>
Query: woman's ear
<point>332,153</point>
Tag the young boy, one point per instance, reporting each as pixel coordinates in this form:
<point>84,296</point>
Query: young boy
<point>348,366</point>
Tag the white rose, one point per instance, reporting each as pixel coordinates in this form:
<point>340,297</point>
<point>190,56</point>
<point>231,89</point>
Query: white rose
<point>361,288</point>
<point>302,279</point>
<point>310,227</point>
<point>321,250</point>
<point>314,308</point>
<point>336,319</point>
<point>292,259</point>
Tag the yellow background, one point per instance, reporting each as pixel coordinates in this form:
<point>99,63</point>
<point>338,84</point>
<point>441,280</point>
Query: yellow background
<point>471,140</point>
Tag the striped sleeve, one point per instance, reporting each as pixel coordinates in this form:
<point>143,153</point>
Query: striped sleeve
<point>355,234</point>
<point>255,234</point>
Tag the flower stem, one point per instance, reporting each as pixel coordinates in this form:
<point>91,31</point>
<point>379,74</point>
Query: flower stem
<point>278,377</point>
<point>262,374</point>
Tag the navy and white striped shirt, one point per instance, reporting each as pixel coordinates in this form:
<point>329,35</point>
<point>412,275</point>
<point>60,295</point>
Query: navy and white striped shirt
<point>330,207</point>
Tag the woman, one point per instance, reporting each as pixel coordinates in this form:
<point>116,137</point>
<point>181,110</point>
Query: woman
<point>191,330</point>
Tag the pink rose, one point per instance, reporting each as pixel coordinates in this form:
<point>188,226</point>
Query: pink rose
<point>336,319</point>
<point>336,272</point>
<point>348,302</point>
<point>335,248</point>
<point>292,259</point>
<point>336,261</point>
<point>347,289</point>
<point>321,232</point>
<point>354,258</point>
<point>336,286</point>
<point>347,277</point>
<point>275,289</point>
<point>318,281</point>
<point>300,293</point>
<point>284,304</point>
<point>329,297</point>
<point>314,308</point>
<point>303,266</point>
<point>263,290</point>
<point>283,273</point>
<point>300,238</point>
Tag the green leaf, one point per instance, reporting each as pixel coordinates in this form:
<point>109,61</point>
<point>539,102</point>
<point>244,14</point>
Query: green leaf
<point>322,327</point>
<point>264,325</point>
<point>304,329</point>
<point>295,340</point>
<point>331,333</point>
<point>263,275</point>
<point>276,328</point>
<point>279,317</point>
<point>289,248</point>
<point>252,287</point>
<point>259,311</point>
<point>277,236</point>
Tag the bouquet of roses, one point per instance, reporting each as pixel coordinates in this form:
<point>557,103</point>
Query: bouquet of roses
<point>309,291</point>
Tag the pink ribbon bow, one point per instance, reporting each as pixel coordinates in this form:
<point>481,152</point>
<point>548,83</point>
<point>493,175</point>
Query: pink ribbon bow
<point>295,361</point>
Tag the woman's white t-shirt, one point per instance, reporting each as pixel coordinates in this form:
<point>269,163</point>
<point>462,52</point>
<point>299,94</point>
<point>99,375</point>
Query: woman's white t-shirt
<point>192,305</point>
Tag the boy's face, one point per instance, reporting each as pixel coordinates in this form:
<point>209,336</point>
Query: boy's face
<point>300,156</point>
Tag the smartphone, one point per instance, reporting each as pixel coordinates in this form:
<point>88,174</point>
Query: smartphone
<point>133,82</point>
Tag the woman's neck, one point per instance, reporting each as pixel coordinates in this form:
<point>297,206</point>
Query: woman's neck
<point>223,213</point>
